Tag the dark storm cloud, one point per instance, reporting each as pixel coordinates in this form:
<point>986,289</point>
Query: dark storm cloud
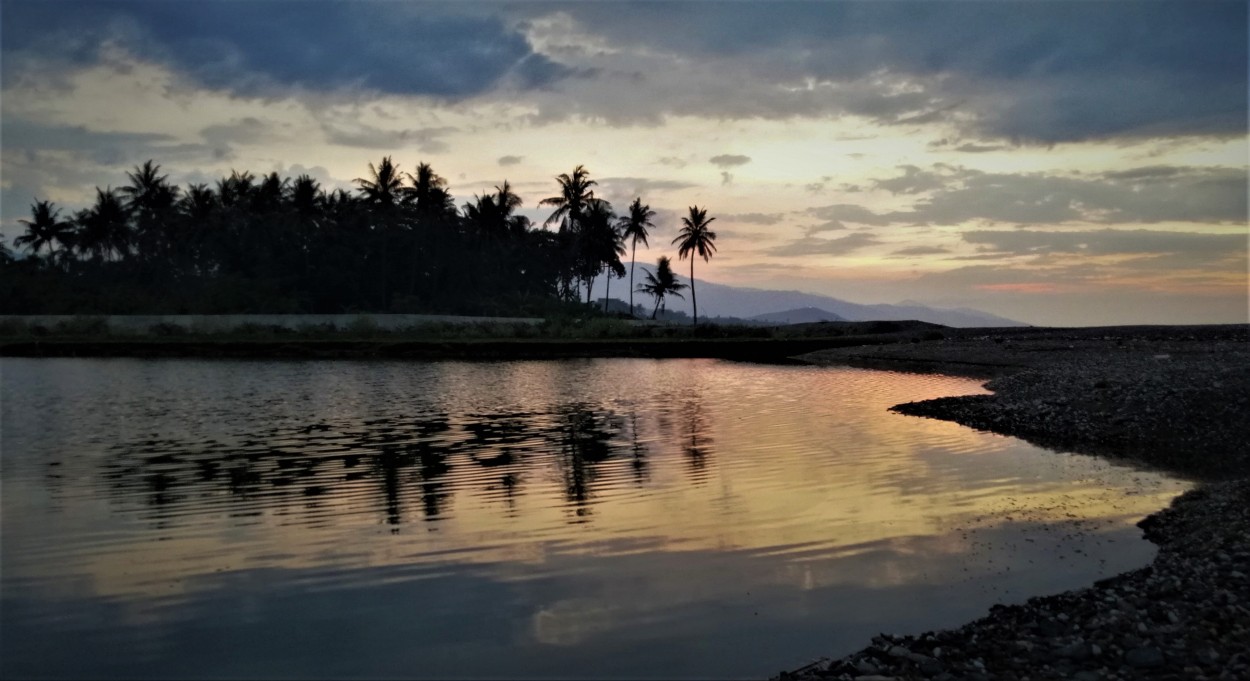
<point>510,160</point>
<point>1028,71</point>
<point>255,47</point>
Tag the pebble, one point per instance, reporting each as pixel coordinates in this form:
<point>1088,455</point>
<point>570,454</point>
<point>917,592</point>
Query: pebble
<point>1188,600</point>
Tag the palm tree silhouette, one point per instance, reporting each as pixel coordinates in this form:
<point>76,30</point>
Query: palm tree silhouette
<point>662,283</point>
<point>429,191</point>
<point>46,229</point>
<point>602,246</point>
<point>634,227</point>
<point>105,229</point>
<point>151,201</point>
<point>571,202</point>
<point>695,238</point>
<point>384,186</point>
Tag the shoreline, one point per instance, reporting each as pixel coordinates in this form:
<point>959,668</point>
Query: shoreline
<point>1170,398</point>
<point>768,350</point>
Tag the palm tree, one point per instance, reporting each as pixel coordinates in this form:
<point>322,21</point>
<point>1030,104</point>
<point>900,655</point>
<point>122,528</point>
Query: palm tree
<point>570,207</point>
<point>634,227</point>
<point>46,229</point>
<point>384,186</point>
<point>571,203</point>
<point>508,202</point>
<point>601,246</point>
<point>695,238</point>
<point>429,191</point>
<point>151,200</point>
<point>104,229</point>
<point>661,284</point>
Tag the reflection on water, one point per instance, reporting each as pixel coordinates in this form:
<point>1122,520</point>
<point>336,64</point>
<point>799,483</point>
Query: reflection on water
<point>572,518</point>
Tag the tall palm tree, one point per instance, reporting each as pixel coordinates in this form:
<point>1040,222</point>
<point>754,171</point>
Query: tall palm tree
<point>634,228</point>
<point>601,246</point>
<point>151,201</point>
<point>662,283</point>
<point>508,202</point>
<point>695,238</point>
<point>571,203</point>
<point>104,226</point>
<point>46,229</point>
<point>570,206</point>
<point>429,191</point>
<point>384,186</point>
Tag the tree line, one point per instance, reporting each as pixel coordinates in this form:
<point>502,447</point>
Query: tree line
<point>396,243</point>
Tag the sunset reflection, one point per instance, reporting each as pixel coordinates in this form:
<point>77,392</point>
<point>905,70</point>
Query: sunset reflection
<point>649,488</point>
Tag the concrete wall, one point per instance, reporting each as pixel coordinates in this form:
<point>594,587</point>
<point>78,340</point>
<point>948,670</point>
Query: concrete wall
<point>141,324</point>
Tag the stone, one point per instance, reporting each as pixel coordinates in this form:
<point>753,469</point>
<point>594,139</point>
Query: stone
<point>1076,651</point>
<point>866,667</point>
<point>1144,658</point>
<point>931,667</point>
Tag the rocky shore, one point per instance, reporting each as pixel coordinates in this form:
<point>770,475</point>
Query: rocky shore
<point>1174,398</point>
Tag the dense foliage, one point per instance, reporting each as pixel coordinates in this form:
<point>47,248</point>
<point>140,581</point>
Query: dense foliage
<point>275,245</point>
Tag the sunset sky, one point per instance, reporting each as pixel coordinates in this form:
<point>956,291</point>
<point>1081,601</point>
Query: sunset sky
<point>1058,163</point>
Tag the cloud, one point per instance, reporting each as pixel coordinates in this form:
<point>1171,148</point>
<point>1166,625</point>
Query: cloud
<point>816,246</point>
<point>729,160</point>
<point>106,148</point>
<point>346,126</point>
<point>848,212</point>
<point>510,160</point>
<point>726,178</point>
<point>830,226</point>
<point>1210,195</point>
<point>638,186</point>
<point>256,48</point>
<point>914,180</point>
<point>1106,242</point>
<point>921,250</point>
<point>1031,72</point>
<point>754,218</point>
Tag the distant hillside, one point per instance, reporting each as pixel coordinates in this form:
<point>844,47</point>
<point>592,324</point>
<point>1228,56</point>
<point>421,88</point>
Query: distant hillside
<point>802,315</point>
<point>720,300</point>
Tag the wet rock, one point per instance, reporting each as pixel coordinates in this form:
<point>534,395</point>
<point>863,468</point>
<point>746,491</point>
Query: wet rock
<point>1144,658</point>
<point>1187,615</point>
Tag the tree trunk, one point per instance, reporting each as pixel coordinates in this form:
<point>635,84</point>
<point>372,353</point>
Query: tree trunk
<point>607,286</point>
<point>694,300</point>
<point>632,257</point>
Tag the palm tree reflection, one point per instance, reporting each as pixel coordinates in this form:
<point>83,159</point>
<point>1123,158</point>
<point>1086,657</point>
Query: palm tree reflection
<point>300,472</point>
<point>698,443</point>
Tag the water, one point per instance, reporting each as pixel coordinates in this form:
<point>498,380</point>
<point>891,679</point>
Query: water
<point>581,518</point>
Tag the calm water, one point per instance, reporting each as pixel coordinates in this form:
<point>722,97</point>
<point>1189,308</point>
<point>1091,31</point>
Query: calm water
<point>582,518</point>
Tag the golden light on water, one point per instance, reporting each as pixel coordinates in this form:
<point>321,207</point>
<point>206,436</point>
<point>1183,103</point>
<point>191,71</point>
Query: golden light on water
<point>799,467</point>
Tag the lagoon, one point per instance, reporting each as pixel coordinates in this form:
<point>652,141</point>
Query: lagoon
<point>569,518</point>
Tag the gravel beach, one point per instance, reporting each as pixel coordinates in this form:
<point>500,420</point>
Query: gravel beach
<point>1172,398</point>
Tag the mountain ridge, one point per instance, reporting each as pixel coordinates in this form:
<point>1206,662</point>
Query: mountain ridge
<point>723,300</point>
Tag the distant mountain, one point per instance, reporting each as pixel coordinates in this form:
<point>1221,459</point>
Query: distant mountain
<point>802,315</point>
<point>720,300</point>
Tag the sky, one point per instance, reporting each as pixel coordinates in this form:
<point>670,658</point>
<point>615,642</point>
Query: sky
<point>1058,163</point>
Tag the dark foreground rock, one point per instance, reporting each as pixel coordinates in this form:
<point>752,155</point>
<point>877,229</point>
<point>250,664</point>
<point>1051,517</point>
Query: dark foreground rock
<point>1173,397</point>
